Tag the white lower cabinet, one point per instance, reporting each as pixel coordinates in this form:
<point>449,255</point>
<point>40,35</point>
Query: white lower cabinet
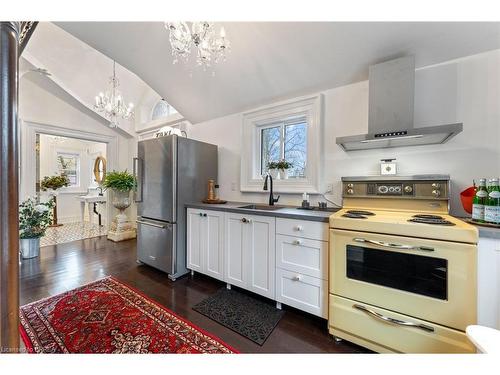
<point>205,242</point>
<point>282,259</point>
<point>488,282</point>
<point>250,253</point>
<point>302,292</point>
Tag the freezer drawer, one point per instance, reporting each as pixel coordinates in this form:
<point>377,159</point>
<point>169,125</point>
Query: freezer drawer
<point>156,244</point>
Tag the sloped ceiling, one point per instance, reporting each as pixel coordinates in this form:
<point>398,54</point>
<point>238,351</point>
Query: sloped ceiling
<point>81,71</point>
<point>272,61</point>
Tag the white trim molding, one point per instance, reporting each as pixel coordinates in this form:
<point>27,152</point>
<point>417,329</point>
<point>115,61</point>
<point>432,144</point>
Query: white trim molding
<point>310,107</point>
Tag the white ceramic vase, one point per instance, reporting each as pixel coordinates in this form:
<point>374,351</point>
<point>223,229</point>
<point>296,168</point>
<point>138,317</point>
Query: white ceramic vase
<point>284,174</point>
<point>274,173</point>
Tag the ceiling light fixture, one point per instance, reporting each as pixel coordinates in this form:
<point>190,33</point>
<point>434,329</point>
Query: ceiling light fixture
<point>112,104</point>
<point>210,46</point>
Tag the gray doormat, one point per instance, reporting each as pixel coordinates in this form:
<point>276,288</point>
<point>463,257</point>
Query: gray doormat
<point>250,317</point>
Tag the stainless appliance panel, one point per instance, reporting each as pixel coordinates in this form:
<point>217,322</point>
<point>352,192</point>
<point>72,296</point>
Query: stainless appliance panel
<point>156,180</point>
<point>156,243</point>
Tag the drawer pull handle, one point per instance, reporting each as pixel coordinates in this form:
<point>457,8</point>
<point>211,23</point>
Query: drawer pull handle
<point>299,228</point>
<point>393,245</point>
<point>296,278</point>
<point>297,242</point>
<point>392,320</point>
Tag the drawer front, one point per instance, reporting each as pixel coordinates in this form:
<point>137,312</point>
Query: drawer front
<point>309,257</point>
<point>391,337</point>
<point>301,228</point>
<point>303,292</point>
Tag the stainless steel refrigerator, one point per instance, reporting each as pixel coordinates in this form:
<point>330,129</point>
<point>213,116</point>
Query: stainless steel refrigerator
<point>170,172</point>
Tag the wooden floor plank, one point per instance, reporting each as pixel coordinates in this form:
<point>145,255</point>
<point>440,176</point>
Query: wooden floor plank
<point>67,266</point>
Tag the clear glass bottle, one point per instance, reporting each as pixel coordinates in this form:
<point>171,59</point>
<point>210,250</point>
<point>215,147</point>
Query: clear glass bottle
<point>492,204</point>
<point>479,201</point>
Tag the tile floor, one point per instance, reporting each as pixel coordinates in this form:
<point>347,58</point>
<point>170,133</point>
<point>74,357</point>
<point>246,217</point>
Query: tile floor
<point>71,232</point>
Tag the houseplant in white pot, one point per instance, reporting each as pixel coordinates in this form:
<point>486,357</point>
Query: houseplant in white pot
<point>34,218</point>
<point>51,185</point>
<point>121,184</point>
<point>273,169</point>
<point>283,167</point>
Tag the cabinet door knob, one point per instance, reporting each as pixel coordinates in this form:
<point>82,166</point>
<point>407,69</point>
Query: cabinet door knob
<point>296,278</point>
<point>299,228</point>
<point>204,215</point>
<point>297,242</point>
<point>245,220</point>
<point>200,214</point>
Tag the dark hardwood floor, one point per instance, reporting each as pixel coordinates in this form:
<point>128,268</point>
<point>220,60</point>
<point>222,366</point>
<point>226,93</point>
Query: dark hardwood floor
<point>67,266</point>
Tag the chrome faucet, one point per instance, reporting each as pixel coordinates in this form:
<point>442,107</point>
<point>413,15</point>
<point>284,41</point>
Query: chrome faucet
<point>272,200</point>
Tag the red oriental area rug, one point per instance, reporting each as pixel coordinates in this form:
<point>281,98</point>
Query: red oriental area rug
<point>107,316</point>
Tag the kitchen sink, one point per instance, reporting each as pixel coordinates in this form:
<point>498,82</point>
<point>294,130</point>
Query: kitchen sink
<point>263,207</point>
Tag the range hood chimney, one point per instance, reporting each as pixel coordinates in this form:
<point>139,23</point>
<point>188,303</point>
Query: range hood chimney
<point>390,111</point>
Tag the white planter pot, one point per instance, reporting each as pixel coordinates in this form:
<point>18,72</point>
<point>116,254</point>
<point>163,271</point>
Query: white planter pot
<point>284,174</point>
<point>273,173</point>
<point>29,247</point>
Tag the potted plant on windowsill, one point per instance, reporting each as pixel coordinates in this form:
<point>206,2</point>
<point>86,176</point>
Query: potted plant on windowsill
<point>273,169</point>
<point>34,218</point>
<point>283,167</point>
<point>52,184</point>
<point>121,184</point>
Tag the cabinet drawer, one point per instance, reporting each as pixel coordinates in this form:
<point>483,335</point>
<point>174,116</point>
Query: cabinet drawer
<point>303,292</point>
<point>302,255</point>
<point>301,228</point>
<point>389,337</point>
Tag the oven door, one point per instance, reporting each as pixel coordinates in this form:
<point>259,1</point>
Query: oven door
<point>427,279</point>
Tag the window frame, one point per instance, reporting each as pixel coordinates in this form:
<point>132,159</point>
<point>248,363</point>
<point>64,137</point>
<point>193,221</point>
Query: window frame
<point>310,108</point>
<point>78,168</point>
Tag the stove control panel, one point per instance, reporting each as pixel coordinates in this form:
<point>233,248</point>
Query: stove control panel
<point>406,189</point>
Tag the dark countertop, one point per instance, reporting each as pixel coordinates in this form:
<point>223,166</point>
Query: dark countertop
<point>287,212</point>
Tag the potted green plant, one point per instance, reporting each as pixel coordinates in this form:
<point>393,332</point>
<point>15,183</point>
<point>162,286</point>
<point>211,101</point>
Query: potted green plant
<point>52,184</point>
<point>283,167</point>
<point>34,218</point>
<point>121,184</point>
<point>273,169</point>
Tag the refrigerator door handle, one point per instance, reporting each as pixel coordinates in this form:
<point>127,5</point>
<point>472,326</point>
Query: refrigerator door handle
<point>137,171</point>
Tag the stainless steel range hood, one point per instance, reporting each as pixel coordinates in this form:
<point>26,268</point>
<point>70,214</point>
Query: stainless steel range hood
<point>390,111</point>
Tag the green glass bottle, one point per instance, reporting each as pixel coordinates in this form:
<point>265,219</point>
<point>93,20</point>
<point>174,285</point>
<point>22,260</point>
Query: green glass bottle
<point>492,205</point>
<point>479,201</point>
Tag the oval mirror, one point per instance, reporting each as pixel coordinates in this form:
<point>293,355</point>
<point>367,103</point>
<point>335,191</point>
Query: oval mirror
<point>100,169</point>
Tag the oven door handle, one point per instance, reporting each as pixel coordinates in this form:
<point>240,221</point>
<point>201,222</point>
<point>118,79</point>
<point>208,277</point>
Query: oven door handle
<point>392,320</point>
<point>394,245</point>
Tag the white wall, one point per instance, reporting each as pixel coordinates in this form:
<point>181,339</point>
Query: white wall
<point>42,103</point>
<point>465,90</point>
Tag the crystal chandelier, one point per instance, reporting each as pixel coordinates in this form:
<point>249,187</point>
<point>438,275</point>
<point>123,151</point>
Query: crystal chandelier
<point>210,46</point>
<point>112,104</point>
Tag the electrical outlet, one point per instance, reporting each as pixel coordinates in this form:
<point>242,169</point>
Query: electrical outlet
<point>233,186</point>
<point>329,188</point>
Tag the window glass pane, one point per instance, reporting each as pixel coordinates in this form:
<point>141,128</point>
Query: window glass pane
<point>270,140</point>
<point>68,164</point>
<point>296,148</point>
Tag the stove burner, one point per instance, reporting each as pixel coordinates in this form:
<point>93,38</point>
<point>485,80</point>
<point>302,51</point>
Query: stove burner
<point>360,212</point>
<point>432,221</point>
<point>432,217</point>
<point>354,216</point>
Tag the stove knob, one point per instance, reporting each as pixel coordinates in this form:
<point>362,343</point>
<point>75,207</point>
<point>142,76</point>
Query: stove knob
<point>436,193</point>
<point>350,186</point>
<point>435,185</point>
<point>350,191</point>
<point>408,189</point>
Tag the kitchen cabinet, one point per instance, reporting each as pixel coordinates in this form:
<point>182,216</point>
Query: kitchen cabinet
<point>205,242</point>
<point>488,282</point>
<point>250,253</point>
<point>302,265</point>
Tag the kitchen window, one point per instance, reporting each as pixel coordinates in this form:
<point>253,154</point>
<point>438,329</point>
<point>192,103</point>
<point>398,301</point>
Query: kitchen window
<point>286,140</point>
<point>69,164</point>
<point>291,131</point>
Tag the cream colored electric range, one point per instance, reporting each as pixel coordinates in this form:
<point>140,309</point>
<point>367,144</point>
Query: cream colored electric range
<point>402,270</point>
